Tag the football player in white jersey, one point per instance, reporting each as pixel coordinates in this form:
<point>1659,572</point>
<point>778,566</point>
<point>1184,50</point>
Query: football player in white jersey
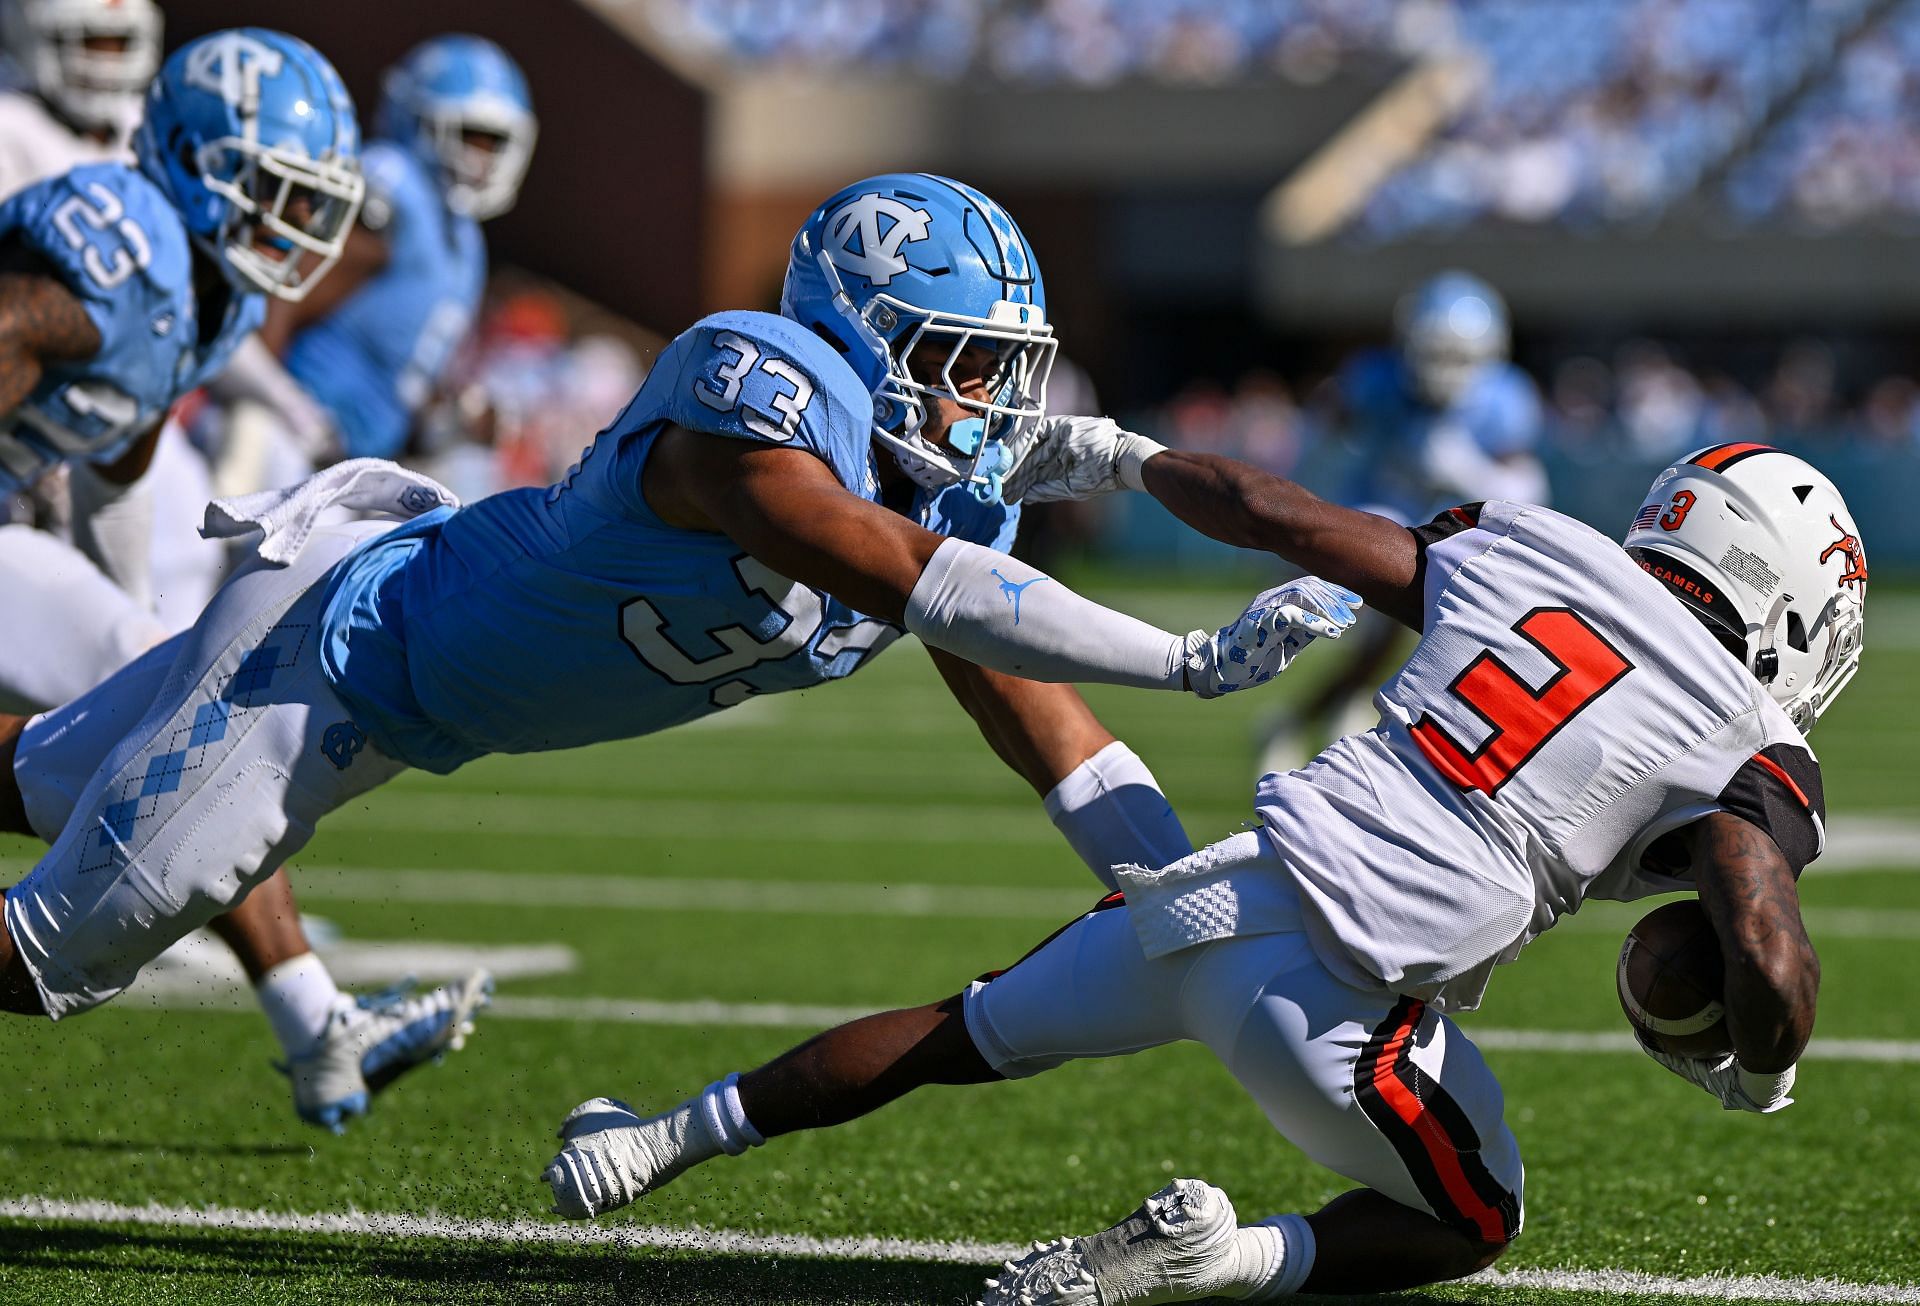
<point>83,65</point>
<point>1562,731</point>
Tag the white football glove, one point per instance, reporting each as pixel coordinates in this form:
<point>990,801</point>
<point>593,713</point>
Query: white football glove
<point>1058,458</point>
<point>1736,1088</point>
<point>1268,635</point>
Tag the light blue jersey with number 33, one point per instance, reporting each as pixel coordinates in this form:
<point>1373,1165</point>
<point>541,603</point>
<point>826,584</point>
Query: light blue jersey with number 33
<point>551,618</point>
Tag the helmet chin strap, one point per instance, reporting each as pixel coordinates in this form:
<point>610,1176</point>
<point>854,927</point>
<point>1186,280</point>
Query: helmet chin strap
<point>1765,642</point>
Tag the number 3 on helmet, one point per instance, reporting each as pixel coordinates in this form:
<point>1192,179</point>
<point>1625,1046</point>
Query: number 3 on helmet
<point>252,136</point>
<point>1761,546</point>
<point>914,265</point>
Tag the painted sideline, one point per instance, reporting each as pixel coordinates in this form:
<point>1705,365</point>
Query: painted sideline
<point>726,1241</point>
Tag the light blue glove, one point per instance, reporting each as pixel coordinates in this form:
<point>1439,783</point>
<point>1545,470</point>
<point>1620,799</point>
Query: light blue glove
<point>1268,635</point>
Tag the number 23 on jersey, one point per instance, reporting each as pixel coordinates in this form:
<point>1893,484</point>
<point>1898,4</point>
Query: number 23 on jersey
<point>1522,719</point>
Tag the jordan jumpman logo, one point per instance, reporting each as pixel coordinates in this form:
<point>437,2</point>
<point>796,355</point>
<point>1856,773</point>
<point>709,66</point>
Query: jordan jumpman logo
<point>1013,591</point>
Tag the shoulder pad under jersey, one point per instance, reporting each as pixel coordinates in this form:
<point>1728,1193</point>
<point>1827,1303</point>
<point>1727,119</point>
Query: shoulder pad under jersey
<point>397,184</point>
<point>756,376</point>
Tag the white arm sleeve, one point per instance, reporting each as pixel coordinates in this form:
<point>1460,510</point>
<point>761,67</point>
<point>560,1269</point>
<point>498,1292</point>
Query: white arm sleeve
<point>1001,614</point>
<point>1111,810</point>
<point>113,527</point>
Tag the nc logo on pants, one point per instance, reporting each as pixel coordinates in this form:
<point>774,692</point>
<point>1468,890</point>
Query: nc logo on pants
<point>342,743</point>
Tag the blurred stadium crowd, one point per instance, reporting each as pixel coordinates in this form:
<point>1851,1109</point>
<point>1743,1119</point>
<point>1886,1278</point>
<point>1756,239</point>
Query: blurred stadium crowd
<point>1589,111</point>
<point>1641,401</point>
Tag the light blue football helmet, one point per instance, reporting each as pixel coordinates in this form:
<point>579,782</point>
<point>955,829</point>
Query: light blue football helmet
<point>1448,329</point>
<point>909,259</point>
<point>252,136</point>
<point>447,87</point>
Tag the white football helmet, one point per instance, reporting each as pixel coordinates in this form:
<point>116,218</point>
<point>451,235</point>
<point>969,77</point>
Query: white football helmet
<point>93,87</point>
<point>1762,548</point>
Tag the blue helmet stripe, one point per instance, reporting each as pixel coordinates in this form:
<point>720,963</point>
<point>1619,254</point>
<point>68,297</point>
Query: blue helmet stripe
<point>1013,261</point>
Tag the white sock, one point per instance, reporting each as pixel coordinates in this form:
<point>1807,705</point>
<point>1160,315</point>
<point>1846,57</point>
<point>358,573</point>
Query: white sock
<point>297,997</point>
<point>1276,1256</point>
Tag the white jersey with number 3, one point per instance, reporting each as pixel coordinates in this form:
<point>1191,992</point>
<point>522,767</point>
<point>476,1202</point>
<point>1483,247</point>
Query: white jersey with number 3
<point>1561,713</point>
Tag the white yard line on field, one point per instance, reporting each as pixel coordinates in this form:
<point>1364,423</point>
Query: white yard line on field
<point>539,889</point>
<point>1612,1283</point>
<point>709,1013</point>
<point>1855,841</point>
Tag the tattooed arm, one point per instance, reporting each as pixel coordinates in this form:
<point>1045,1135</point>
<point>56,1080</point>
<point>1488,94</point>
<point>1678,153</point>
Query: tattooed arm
<point>41,322</point>
<point>1773,975</point>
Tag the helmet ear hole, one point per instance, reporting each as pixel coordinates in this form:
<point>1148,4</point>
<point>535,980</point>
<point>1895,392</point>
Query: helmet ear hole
<point>1796,632</point>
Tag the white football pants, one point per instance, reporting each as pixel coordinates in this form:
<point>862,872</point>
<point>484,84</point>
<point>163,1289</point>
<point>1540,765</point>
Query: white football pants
<point>1377,1087</point>
<point>185,780</point>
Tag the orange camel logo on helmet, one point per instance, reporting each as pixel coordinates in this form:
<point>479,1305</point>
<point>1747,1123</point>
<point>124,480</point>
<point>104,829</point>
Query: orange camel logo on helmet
<point>1849,544</point>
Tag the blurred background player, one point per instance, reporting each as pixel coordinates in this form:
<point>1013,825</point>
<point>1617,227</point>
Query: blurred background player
<point>1441,418</point>
<point>78,70</point>
<point>125,286</point>
<point>347,371</point>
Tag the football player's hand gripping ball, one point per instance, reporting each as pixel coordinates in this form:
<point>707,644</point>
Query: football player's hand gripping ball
<point>1059,458</point>
<point>1268,635</point>
<point>1723,1078</point>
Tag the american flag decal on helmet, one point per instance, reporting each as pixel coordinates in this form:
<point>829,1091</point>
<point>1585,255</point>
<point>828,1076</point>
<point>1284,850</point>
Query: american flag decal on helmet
<point>1646,517</point>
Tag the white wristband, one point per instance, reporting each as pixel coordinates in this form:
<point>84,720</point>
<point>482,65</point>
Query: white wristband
<point>1001,614</point>
<point>1764,1089</point>
<point>1132,457</point>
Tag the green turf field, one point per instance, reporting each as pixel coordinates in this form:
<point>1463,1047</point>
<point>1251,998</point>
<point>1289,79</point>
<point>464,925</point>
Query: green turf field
<point>856,847</point>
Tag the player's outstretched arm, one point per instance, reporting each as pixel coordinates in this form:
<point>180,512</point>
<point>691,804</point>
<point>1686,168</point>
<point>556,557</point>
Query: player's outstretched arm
<point>1080,457</point>
<point>1244,506</point>
<point>786,508</point>
<point>364,257</point>
<point>41,322</point>
<point>1772,973</point>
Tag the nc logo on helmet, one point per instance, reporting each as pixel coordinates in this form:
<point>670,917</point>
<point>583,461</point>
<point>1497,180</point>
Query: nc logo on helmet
<point>231,65</point>
<point>856,242</point>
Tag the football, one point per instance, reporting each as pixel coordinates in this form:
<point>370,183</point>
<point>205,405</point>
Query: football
<point>1671,981</point>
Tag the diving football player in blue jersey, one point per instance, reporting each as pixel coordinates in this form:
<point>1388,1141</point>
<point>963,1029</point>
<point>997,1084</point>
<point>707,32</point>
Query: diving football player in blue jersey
<point>1441,418</point>
<point>453,138</point>
<point>123,287</point>
<point>725,536</point>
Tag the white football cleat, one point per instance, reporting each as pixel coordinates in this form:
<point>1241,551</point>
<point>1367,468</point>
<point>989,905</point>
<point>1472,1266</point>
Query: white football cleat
<point>1179,1246</point>
<point>613,1157</point>
<point>371,1042</point>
